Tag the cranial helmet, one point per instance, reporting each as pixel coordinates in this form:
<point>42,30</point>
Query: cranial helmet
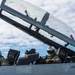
<point>51,50</point>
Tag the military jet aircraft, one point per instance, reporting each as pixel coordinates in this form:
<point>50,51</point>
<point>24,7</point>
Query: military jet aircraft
<point>44,27</point>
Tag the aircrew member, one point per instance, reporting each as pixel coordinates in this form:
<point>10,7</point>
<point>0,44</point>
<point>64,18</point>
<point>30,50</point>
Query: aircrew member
<point>3,61</point>
<point>52,57</point>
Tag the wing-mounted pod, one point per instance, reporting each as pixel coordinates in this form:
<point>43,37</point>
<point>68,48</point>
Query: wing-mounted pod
<point>38,24</point>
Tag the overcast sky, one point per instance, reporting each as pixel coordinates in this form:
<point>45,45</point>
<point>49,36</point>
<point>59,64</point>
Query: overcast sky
<point>10,38</point>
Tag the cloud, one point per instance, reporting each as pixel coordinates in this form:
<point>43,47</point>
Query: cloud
<point>64,10</point>
<point>11,37</point>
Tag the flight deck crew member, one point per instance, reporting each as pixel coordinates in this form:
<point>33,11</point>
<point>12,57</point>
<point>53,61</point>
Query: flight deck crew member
<point>3,61</point>
<point>52,57</point>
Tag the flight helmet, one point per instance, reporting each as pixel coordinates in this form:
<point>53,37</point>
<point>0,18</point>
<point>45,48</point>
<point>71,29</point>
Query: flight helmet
<point>51,50</point>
